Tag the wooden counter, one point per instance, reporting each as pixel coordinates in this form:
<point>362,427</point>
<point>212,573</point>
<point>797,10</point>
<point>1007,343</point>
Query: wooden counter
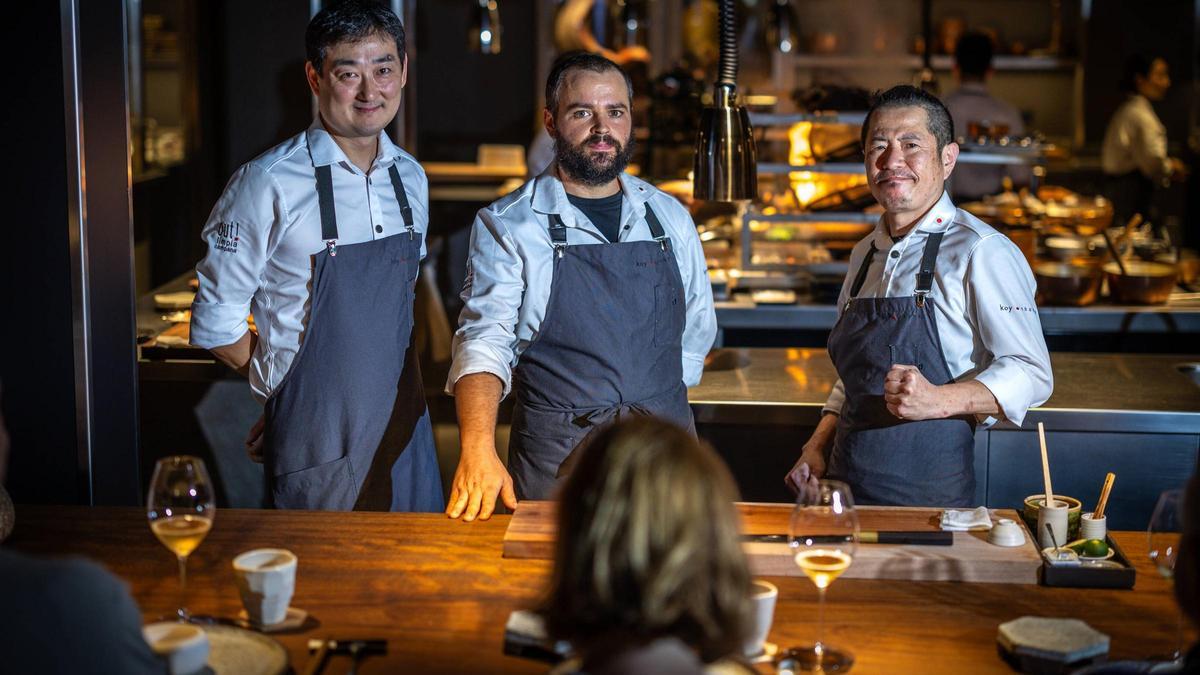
<point>440,592</point>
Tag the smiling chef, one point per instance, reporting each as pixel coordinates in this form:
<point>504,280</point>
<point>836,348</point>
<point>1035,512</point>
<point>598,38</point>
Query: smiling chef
<point>322,237</point>
<point>937,332</point>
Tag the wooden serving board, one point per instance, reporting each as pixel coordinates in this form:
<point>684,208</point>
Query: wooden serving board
<point>530,534</point>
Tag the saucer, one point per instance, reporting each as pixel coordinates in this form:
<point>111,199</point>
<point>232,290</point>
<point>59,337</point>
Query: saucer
<point>294,619</point>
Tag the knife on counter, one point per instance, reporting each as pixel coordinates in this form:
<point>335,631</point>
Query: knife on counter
<point>914,538</point>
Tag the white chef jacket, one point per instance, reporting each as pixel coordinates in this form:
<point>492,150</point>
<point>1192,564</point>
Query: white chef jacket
<point>1135,139</point>
<point>266,227</point>
<point>972,102</point>
<point>511,267</point>
<point>983,293</point>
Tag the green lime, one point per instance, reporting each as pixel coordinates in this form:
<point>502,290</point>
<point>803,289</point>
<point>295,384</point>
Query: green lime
<point>1095,548</point>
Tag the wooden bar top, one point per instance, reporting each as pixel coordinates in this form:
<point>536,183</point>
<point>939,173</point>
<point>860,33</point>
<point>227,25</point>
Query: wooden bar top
<point>440,592</point>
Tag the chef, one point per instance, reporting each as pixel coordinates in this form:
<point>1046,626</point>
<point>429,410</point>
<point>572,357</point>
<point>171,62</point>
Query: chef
<point>321,238</point>
<point>937,333</point>
<point>586,296</point>
<point>1134,153</point>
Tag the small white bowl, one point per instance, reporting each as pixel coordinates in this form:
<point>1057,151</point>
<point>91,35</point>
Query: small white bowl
<point>1006,532</point>
<point>184,646</point>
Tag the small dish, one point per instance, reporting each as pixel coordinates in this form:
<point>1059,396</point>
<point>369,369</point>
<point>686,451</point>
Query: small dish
<point>183,646</point>
<point>1006,532</point>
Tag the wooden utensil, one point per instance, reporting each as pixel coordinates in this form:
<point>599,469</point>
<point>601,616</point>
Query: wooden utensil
<point>1045,466</point>
<point>1112,249</point>
<point>1108,483</point>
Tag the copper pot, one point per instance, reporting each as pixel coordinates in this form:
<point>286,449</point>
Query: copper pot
<point>1144,283</point>
<point>1067,284</point>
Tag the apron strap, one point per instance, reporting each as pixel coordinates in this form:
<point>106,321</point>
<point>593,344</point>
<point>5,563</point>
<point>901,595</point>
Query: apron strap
<point>401,198</point>
<point>656,229</point>
<point>329,231</point>
<point>928,260</point>
<point>558,234</point>
<point>862,272</point>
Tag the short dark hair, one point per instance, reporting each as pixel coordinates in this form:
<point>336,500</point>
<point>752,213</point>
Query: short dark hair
<point>973,54</point>
<point>350,21</point>
<point>579,61</point>
<point>1137,65</point>
<point>903,96</point>
<point>648,544</point>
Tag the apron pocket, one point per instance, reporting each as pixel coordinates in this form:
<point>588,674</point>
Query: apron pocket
<point>906,355</point>
<point>666,315</point>
<point>329,486</point>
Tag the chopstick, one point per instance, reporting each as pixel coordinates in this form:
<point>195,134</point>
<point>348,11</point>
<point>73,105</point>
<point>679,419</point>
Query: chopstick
<point>1045,466</point>
<point>1108,483</point>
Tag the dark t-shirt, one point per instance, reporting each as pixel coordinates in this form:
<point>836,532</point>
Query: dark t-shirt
<point>605,213</point>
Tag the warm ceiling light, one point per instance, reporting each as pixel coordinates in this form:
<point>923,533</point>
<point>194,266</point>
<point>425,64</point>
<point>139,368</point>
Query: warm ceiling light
<point>485,33</point>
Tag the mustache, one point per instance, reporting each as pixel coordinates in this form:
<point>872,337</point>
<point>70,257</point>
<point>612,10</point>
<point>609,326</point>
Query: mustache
<point>602,138</point>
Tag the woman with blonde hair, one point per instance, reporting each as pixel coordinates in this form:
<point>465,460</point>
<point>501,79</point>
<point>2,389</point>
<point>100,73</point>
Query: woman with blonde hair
<point>649,575</point>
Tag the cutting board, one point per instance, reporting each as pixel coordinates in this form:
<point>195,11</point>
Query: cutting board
<point>530,534</point>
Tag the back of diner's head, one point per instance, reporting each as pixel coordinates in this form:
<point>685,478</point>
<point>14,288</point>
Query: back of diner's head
<point>648,544</point>
<point>350,21</point>
<point>939,123</point>
<point>973,56</point>
<point>1187,562</point>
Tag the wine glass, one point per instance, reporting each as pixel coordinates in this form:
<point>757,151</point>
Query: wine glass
<point>823,535</point>
<point>180,509</point>
<point>1165,526</point>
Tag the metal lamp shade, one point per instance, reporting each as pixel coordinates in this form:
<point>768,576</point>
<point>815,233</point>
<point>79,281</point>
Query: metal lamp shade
<point>725,168</point>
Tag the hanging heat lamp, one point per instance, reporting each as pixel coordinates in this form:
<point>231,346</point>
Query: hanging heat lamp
<point>725,162</point>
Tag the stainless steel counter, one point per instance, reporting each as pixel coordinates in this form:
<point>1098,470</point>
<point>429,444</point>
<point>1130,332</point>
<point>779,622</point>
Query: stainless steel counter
<point>1092,392</point>
<point>1181,315</point>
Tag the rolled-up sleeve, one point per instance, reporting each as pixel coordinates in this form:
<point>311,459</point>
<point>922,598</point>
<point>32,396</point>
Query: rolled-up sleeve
<point>237,233</point>
<point>1000,297</point>
<point>700,328</point>
<point>492,293</point>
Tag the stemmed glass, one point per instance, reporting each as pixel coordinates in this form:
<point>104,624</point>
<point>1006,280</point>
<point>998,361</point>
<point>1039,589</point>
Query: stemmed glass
<point>180,509</point>
<point>1165,526</point>
<point>823,535</point>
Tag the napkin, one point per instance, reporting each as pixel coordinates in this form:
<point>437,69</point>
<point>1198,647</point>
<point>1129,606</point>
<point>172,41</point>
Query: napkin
<point>961,520</point>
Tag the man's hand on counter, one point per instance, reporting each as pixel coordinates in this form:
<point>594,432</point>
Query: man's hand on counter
<point>811,465</point>
<point>480,476</point>
<point>909,396</point>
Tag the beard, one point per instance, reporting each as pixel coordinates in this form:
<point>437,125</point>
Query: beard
<point>594,168</point>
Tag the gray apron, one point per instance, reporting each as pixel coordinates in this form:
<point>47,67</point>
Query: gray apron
<point>886,460</point>
<point>347,428</point>
<point>610,346</point>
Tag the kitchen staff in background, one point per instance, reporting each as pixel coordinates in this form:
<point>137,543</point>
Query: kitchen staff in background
<point>1134,154</point>
<point>586,295</point>
<point>321,237</point>
<point>937,326</point>
<point>972,103</point>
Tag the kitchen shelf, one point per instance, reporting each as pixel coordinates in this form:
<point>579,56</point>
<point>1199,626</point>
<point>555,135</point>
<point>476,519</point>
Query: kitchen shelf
<point>777,120</point>
<point>827,167</point>
<point>939,62</point>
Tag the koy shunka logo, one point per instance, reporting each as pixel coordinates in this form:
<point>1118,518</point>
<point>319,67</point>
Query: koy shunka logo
<point>226,237</point>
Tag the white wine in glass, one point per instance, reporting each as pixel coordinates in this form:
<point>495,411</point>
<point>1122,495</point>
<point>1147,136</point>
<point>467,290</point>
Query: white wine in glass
<point>1166,524</point>
<point>823,535</point>
<point>180,507</point>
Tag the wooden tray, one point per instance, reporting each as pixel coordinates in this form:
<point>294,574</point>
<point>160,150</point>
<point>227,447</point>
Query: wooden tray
<point>530,534</point>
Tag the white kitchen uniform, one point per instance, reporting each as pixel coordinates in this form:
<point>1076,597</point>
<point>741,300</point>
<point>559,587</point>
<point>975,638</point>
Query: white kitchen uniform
<point>987,319</point>
<point>508,282</point>
<point>1135,140</point>
<point>265,229</point>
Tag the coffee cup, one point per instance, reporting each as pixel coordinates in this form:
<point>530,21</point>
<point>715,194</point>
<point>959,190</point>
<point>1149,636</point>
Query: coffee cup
<point>1052,517</point>
<point>1091,527</point>
<point>762,596</point>
<point>182,645</point>
<point>266,578</point>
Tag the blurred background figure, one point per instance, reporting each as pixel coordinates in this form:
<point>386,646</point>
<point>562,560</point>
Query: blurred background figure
<point>649,575</point>
<point>1134,154</point>
<point>976,112</point>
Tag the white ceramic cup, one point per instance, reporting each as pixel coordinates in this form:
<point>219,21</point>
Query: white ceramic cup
<point>1006,532</point>
<point>183,645</point>
<point>763,595</point>
<point>1091,527</point>
<point>266,578</point>
<point>1056,517</point>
